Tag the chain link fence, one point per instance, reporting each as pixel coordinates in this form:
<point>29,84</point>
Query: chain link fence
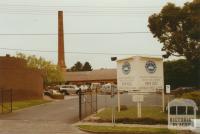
<point>5,101</point>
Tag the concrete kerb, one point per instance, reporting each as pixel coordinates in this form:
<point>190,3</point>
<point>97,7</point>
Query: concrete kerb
<point>119,125</point>
<point>92,117</point>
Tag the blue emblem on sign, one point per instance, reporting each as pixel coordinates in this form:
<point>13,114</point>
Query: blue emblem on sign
<point>150,66</point>
<point>126,68</point>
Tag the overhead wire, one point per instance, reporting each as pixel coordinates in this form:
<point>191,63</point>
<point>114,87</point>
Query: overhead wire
<point>77,33</point>
<point>96,10</point>
<point>71,52</point>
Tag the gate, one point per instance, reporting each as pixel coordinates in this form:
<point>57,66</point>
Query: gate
<point>87,103</point>
<point>5,101</point>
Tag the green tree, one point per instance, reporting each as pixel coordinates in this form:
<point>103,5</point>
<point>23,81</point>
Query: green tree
<point>87,67</point>
<point>178,29</point>
<point>51,73</point>
<point>77,67</point>
<point>179,73</point>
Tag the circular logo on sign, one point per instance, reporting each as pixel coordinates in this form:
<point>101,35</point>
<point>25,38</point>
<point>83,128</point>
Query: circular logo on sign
<point>150,66</point>
<point>126,68</point>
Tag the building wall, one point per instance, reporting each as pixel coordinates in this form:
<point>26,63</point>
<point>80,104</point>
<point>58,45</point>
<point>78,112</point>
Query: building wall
<point>92,81</point>
<point>26,83</point>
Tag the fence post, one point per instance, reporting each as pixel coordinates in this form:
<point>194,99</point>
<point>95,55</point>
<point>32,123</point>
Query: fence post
<point>91,104</point>
<point>80,108</point>
<point>11,99</point>
<point>2,101</point>
<point>96,101</point>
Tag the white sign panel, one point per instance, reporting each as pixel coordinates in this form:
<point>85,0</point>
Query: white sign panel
<point>137,98</point>
<point>168,89</point>
<point>140,74</point>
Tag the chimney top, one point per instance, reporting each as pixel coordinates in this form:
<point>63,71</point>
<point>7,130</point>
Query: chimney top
<point>7,55</point>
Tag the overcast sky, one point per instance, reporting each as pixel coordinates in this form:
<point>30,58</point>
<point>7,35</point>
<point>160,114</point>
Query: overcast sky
<point>80,16</point>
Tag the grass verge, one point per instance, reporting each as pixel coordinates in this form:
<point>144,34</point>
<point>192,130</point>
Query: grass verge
<point>27,103</point>
<point>147,112</point>
<point>125,130</point>
<point>150,115</point>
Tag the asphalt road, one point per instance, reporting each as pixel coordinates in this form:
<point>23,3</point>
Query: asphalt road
<point>56,117</point>
<point>51,118</point>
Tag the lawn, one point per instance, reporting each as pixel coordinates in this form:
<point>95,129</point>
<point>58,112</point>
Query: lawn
<point>16,105</point>
<point>27,103</point>
<point>125,130</point>
<point>147,112</point>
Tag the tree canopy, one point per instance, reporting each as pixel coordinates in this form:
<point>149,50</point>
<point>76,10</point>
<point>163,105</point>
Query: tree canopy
<point>78,66</point>
<point>180,73</point>
<point>51,73</point>
<point>178,29</point>
<point>87,67</point>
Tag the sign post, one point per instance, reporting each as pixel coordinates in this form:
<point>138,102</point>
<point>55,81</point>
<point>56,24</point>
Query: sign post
<point>113,104</point>
<point>168,91</point>
<point>139,98</point>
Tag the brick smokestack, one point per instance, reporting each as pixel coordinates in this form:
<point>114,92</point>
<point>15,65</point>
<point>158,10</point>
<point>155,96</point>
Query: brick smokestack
<point>61,53</point>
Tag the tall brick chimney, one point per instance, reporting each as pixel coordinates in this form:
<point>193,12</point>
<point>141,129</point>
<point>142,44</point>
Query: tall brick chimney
<point>61,53</point>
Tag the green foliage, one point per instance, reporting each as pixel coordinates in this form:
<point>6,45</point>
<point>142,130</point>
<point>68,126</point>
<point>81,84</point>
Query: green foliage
<point>125,130</point>
<point>28,103</point>
<point>195,95</point>
<point>122,108</point>
<point>57,96</point>
<point>180,73</point>
<point>87,67</point>
<point>78,66</point>
<point>150,115</point>
<point>178,29</point>
<point>51,73</point>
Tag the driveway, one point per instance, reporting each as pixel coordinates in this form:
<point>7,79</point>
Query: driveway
<point>51,118</point>
<point>56,117</point>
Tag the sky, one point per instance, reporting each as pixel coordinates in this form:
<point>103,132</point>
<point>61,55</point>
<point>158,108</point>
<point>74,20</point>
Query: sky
<point>32,25</point>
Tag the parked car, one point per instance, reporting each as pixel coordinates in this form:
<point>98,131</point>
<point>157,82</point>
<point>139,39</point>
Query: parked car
<point>69,89</point>
<point>84,88</point>
<point>51,92</point>
<point>95,86</point>
<point>107,88</point>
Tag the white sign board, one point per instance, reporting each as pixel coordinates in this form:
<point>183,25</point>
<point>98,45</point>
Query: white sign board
<point>140,74</point>
<point>137,98</point>
<point>168,89</point>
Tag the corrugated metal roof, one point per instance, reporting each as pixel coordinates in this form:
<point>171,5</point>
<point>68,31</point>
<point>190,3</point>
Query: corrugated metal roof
<point>101,74</point>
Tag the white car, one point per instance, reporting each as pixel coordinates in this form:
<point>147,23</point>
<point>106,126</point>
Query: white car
<point>107,88</point>
<point>84,88</point>
<point>69,89</point>
<point>95,86</point>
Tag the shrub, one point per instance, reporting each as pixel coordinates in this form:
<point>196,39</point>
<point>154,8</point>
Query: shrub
<point>123,107</point>
<point>146,121</point>
<point>195,96</point>
<point>57,96</point>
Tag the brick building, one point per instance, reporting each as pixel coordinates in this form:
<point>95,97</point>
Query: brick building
<point>100,76</point>
<point>26,83</point>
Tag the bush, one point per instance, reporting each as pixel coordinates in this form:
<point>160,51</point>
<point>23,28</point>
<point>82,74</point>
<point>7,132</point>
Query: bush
<point>57,96</point>
<point>146,121</point>
<point>123,107</point>
<point>179,92</point>
<point>195,96</point>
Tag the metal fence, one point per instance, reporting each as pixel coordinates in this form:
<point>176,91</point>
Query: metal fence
<point>5,101</point>
<point>87,103</point>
